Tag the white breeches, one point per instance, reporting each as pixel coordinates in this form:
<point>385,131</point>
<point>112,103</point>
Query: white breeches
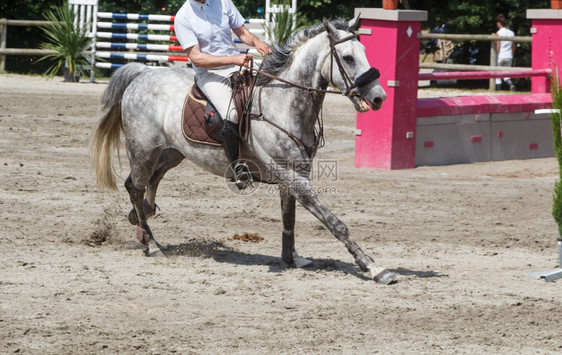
<point>215,84</point>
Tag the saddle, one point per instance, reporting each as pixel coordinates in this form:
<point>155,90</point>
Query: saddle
<point>201,122</point>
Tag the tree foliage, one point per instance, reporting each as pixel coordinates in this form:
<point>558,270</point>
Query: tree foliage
<point>27,9</point>
<point>25,37</point>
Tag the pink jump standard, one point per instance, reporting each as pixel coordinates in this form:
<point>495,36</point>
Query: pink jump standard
<point>386,140</point>
<point>546,31</point>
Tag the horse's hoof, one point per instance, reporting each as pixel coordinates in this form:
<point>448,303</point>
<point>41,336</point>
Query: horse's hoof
<point>153,249</point>
<point>242,176</point>
<point>384,277</point>
<point>300,262</point>
<point>153,252</point>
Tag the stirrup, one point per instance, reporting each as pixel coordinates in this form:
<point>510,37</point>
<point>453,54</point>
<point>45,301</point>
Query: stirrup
<point>242,176</point>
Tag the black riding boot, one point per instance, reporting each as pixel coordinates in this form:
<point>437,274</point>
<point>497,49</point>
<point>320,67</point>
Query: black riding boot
<point>242,176</point>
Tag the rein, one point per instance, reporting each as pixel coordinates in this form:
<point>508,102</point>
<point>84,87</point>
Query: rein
<point>365,78</point>
<point>318,138</point>
<point>295,85</point>
<point>333,54</point>
<point>318,135</point>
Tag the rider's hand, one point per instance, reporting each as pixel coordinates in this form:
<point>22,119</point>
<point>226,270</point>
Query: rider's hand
<point>241,59</point>
<point>262,48</point>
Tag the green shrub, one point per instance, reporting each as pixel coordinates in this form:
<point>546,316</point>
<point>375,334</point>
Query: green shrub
<point>556,118</point>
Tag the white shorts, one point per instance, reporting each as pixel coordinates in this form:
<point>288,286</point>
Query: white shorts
<point>503,62</point>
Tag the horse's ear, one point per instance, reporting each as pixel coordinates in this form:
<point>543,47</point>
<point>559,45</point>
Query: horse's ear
<point>326,23</point>
<point>354,23</point>
<point>329,28</point>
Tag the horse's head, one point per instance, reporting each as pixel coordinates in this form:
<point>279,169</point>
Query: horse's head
<point>347,68</point>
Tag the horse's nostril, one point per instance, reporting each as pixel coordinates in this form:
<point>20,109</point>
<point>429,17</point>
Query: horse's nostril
<point>377,101</point>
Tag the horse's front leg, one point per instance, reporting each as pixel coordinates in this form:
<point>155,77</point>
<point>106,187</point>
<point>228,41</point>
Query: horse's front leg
<point>309,199</point>
<point>289,255</point>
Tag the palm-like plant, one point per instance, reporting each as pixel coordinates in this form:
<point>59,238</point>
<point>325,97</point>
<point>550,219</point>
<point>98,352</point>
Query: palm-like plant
<point>281,28</point>
<point>68,41</point>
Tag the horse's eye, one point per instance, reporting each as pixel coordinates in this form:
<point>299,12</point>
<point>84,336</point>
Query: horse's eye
<point>349,59</point>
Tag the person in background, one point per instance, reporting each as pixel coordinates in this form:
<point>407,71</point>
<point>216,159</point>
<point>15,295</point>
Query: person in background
<point>506,50</point>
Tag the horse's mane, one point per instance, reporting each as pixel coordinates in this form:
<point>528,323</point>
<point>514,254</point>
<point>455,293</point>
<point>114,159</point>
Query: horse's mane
<point>281,54</point>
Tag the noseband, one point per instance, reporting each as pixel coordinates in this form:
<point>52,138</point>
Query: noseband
<point>370,75</point>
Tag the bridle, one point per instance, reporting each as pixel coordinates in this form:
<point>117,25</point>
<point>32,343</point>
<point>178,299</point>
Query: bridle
<point>349,85</point>
<point>370,75</point>
<point>362,80</point>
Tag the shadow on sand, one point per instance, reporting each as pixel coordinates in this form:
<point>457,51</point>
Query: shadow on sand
<point>421,274</point>
<point>219,252</point>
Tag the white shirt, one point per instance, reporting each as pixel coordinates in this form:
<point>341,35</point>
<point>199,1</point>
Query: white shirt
<point>505,46</point>
<point>209,25</point>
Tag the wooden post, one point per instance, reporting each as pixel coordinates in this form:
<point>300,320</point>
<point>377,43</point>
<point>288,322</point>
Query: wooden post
<point>493,62</point>
<point>3,40</point>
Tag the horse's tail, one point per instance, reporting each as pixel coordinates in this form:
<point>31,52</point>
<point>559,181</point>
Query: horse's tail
<point>107,136</point>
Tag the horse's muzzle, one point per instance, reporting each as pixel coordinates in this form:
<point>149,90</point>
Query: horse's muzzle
<point>377,103</point>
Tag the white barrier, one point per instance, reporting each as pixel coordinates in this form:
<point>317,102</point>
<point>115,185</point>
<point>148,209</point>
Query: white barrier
<point>146,47</point>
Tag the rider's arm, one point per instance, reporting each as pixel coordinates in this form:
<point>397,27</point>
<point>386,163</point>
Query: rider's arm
<point>251,40</point>
<point>203,60</point>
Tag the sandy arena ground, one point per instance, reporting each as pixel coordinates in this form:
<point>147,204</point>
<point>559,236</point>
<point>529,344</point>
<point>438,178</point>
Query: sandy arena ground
<point>73,278</point>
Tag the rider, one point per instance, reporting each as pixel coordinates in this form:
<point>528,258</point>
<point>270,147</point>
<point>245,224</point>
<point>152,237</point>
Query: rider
<point>203,28</point>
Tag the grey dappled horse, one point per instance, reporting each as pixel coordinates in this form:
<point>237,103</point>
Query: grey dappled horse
<point>147,105</point>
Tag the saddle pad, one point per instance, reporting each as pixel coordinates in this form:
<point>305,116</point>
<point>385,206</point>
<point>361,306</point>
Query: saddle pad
<point>193,121</point>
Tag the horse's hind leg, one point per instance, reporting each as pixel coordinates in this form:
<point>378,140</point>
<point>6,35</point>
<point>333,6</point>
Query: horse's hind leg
<point>143,164</point>
<point>168,159</point>
<point>135,195</point>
